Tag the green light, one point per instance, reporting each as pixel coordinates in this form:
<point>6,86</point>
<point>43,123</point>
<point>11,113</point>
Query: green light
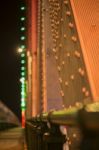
<point>22,55</point>
<point>23,85</point>
<point>22,73</point>
<point>22,29</point>
<point>22,96</point>
<point>23,46</point>
<point>23,38</point>
<point>23,93</point>
<point>22,8</point>
<point>22,18</point>
<point>22,61</point>
<point>23,104</point>
<point>22,68</point>
<point>23,109</point>
<point>22,99</point>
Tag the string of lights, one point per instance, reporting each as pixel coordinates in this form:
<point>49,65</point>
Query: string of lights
<point>22,51</point>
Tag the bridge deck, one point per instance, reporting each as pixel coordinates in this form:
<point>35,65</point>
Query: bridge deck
<point>12,139</point>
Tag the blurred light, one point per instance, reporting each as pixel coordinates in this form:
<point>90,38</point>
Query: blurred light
<point>22,28</point>
<point>22,73</point>
<point>22,8</point>
<point>22,18</point>
<point>22,68</point>
<point>23,46</point>
<point>22,55</point>
<point>20,50</point>
<point>22,79</point>
<point>23,104</point>
<point>22,38</point>
<point>23,61</point>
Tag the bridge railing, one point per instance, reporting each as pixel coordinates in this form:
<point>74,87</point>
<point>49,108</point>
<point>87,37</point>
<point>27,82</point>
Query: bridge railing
<point>43,131</point>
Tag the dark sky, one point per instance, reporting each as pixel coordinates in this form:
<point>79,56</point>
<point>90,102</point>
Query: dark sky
<point>9,58</point>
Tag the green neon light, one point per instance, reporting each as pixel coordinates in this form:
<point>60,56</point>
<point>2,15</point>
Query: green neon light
<point>22,61</point>
<point>23,109</point>
<point>22,29</point>
<point>23,93</point>
<point>23,104</point>
<point>22,18</point>
<point>23,85</point>
<point>22,73</point>
<point>23,46</point>
<point>22,99</point>
<point>22,8</point>
<point>22,55</point>
<point>22,68</point>
<point>23,38</point>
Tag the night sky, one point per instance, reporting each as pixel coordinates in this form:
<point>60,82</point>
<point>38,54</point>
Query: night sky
<point>9,58</point>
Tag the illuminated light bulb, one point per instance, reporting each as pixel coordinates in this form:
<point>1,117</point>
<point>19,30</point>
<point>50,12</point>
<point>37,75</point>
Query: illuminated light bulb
<point>70,106</point>
<point>74,39</point>
<point>68,54</point>
<point>22,79</point>
<point>68,13</point>
<point>54,40</point>
<point>23,73</point>
<point>22,68</point>
<point>23,104</point>
<point>22,61</point>
<point>60,45</point>
<point>22,55</point>
<point>22,8</point>
<point>65,2</point>
<point>66,83</point>
<point>77,54</point>
<point>72,77</point>
<point>22,93</point>
<point>56,57</point>
<point>59,68</point>
<point>78,104</point>
<point>87,93</point>
<point>54,50</point>
<point>22,29</point>
<point>22,99</point>
<point>20,50</point>
<point>65,36</point>
<point>60,80</point>
<point>71,25</point>
<point>62,19</point>
<point>57,22</point>
<point>23,46</point>
<point>22,18</point>
<point>57,37</point>
<point>81,71</point>
<point>74,135</point>
<point>63,106</point>
<point>63,62</point>
<point>62,93</point>
<point>23,38</point>
<point>83,89</point>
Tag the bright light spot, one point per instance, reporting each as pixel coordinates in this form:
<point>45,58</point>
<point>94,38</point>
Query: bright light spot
<point>22,55</point>
<point>20,50</point>
<point>22,8</point>
<point>22,18</point>
<point>23,74</point>
<point>22,61</point>
<point>22,38</point>
<point>22,68</point>
<point>23,46</point>
<point>22,28</point>
<point>22,79</point>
